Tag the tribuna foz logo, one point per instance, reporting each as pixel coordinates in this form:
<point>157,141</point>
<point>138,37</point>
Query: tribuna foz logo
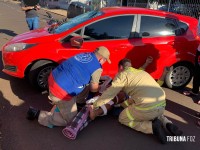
<point>180,138</point>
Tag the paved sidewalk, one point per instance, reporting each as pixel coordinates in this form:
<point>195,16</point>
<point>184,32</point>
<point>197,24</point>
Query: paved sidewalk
<point>57,11</point>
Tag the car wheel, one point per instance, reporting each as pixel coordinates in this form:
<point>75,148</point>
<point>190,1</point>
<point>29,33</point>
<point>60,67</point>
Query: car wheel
<point>179,76</point>
<point>39,72</point>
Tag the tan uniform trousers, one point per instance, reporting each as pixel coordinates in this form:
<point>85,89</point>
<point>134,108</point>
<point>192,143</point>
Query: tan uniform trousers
<point>63,111</point>
<point>141,120</point>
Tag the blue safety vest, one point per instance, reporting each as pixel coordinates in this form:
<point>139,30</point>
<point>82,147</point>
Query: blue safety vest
<point>75,73</point>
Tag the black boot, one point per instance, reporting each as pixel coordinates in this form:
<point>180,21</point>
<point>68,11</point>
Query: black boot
<point>32,113</point>
<point>158,131</point>
<point>173,129</point>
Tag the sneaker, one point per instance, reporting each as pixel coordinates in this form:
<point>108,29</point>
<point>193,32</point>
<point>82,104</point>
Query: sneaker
<point>198,102</point>
<point>173,129</point>
<point>158,131</point>
<point>32,113</point>
<point>190,93</point>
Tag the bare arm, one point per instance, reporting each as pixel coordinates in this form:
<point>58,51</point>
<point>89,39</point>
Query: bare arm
<point>119,99</point>
<point>94,87</point>
<point>162,78</point>
<point>98,112</point>
<point>94,83</point>
<point>148,61</point>
<point>25,8</point>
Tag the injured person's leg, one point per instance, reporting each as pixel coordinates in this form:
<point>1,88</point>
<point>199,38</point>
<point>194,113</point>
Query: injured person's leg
<point>101,111</point>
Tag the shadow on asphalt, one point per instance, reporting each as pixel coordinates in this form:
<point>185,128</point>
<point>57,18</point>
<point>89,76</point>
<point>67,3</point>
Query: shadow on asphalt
<point>103,133</point>
<point>194,98</point>
<point>187,114</point>
<point>8,32</point>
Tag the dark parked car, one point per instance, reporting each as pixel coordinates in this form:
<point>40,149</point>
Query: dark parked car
<point>76,8</point>
<point>55,4</point>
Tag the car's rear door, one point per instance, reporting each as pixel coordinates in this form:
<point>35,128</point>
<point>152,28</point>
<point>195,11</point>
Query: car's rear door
<point>155,36</point>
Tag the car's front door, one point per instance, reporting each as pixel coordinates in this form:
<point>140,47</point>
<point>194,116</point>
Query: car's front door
<point>113,33</point>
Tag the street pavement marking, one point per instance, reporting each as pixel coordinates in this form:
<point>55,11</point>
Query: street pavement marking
<point>190,115</point>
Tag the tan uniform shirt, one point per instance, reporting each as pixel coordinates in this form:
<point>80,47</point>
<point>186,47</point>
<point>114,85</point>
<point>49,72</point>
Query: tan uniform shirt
<point>138,84</point>
<point>96,76</point>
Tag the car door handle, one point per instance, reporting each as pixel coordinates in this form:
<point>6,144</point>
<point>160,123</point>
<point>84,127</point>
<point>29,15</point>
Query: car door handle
<point>121,47</point>
<point>171,43</point>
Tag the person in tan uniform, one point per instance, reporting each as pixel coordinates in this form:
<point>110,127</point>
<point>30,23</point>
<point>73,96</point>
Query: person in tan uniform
<point>145,106</point>
<point>68,83</point>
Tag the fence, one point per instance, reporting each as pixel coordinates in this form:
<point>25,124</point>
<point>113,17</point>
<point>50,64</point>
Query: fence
<point>184,7</point>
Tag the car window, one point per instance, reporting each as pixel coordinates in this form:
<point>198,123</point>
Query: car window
<point>118,27</point>
<point>183,26</point>
<point>77,20</point>
<point>155,26</point>
<point>76,33</point>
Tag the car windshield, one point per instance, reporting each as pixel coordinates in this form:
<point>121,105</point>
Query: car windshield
<point>77,20</point>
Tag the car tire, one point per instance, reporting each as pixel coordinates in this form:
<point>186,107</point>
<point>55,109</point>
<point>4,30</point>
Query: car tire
<point>179,76</point>
<point>38,74</point>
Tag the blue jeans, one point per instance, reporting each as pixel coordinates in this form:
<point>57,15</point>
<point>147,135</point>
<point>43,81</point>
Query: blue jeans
<point>33,23</point>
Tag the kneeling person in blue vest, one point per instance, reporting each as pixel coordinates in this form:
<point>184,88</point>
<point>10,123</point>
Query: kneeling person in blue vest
<point>67,82</point>
<point>145,106</point>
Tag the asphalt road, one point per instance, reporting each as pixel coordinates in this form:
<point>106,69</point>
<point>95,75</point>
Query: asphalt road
<point>105,133</point>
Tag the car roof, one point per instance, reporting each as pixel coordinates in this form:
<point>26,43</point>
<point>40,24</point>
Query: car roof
<point>137,10</point>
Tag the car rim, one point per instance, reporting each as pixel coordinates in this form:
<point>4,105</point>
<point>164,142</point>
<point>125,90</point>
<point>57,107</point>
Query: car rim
<point>43,76</point>
<point>179,76</point>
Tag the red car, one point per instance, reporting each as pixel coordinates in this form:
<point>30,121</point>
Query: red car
<point>129,32</point>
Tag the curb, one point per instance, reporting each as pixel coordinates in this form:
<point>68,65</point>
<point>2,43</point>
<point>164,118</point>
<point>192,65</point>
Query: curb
<point>56,11</point>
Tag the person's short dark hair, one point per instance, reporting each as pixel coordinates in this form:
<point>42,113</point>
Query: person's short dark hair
<point>124,63</point>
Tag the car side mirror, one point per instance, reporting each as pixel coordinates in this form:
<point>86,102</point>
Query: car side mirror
<point>145,34</point>
<point>76,41</point>
<point>179,31</point>
<point>170,26</point>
